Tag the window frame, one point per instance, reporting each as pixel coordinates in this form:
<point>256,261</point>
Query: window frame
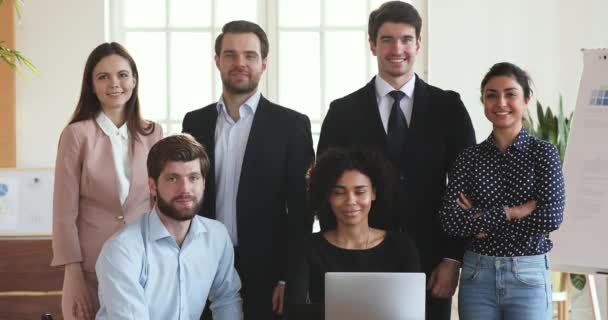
<point>267,18</point>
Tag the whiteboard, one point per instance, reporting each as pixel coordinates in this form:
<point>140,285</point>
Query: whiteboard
<point>581,243</point>
<point>26,202</point>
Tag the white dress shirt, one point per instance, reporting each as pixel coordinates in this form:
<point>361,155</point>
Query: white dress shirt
<point>144,274</point>
<point>119,139</point>
<point>230,143</point>
<point>385,101</point>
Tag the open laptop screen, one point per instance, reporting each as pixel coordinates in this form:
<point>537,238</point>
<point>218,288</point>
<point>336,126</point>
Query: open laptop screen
<point>378,296</point>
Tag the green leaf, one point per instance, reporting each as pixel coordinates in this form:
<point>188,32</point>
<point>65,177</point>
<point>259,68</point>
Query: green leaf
<point>8,61</point>
<point>578,281</point>
<point>528,123</point>
<point>17,8</point>
<point>539,115</point>
<point>550,130</point>
<point>554,128</point>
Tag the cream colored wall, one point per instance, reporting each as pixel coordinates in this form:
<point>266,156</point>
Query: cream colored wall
<point>57,36</point>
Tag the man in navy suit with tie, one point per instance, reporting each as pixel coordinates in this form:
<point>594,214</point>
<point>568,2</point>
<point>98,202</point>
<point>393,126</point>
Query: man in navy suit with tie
<point>259,154</point>
<point>419,127</point>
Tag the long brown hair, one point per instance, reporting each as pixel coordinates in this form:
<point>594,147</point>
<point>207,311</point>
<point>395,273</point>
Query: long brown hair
<point>88,106</point>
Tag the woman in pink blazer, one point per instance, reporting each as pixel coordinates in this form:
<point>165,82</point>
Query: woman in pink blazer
<point>100,173</point>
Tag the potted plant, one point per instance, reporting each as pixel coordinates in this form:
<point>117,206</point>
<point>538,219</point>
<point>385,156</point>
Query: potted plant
<point>554,128</point>
<point>13,57</point>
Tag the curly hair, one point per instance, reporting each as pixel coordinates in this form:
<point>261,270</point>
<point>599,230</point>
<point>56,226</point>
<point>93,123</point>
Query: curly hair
<point>329,168</point>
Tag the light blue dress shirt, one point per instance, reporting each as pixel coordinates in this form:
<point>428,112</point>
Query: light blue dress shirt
<point>230,144</point>
<point>143,273</point>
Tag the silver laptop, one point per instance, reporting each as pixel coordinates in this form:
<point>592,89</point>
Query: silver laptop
<point>378,296</point>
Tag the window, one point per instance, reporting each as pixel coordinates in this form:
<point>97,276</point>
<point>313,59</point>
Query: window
<point>318,51</point>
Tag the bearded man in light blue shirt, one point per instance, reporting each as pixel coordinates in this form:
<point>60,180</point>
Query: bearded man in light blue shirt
<point>168,263</point>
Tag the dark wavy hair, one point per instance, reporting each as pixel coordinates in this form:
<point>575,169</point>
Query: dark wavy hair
<point>393,11</point>
<point>508,69</point>
<point>88,106</point>
<point>329,168</point>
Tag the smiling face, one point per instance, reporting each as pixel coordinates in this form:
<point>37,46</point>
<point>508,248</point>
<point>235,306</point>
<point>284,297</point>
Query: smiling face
<point>240,62</point>
<point>396,48</point>
<point>351,198</point>
<point>504,102</point>
<point>179,189</point>
<point>113,82</point>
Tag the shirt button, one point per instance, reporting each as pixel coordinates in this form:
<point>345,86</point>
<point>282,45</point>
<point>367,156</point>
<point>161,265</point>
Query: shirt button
<point>120,218</point>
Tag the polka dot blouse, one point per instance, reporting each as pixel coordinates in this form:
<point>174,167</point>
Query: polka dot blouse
<point>494,180</point>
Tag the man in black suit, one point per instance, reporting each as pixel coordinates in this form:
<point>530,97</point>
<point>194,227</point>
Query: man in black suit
<point>259,155</point>
<point>421,128</point>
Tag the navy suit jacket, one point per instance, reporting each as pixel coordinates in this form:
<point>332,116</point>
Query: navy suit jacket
<point>439,129</point>
<point>273,218</point>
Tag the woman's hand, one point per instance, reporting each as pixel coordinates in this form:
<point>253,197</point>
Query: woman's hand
<point>521,211</point>
<point>463,201</point>
<point>84,304</point>
<point>466,204</point>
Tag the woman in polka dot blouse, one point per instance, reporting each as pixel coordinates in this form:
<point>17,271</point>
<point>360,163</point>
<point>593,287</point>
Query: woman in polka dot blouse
<point>504,196</point>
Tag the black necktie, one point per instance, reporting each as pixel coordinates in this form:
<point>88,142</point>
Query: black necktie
<point>397,127</point>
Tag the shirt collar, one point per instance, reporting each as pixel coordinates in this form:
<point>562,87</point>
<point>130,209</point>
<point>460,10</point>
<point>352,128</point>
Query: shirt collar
<point>109,128</point>
<point>159,231</point>
<point>251,105</point>
<point>383,88</point>
<point>521,142</point>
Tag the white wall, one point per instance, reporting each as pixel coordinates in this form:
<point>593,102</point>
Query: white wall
<point>467,37</point>
<point>583,24</point>
<point>464,39</point>
<point>57,37</point>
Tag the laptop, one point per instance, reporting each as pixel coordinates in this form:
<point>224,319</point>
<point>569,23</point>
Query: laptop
<point>378,296</point>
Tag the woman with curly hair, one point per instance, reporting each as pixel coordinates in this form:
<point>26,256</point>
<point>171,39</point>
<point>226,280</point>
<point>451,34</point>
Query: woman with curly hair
<point>346,187</point>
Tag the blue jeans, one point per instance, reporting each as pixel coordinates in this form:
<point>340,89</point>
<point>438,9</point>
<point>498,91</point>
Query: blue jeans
<point>506,288</point>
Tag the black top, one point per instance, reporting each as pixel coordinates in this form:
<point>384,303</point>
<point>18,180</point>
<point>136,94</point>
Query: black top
<point>528,169</point>
<point>396,253</point>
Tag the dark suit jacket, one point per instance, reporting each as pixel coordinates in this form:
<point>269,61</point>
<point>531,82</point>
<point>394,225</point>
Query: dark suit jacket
<point>440,128</point>
<point>273,218</point>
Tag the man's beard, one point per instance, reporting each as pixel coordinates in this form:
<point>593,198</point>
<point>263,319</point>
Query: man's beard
<point>251,86</point>
<point>169,209</point>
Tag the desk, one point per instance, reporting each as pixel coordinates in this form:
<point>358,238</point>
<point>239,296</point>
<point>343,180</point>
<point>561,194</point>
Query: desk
<point>29,287</point>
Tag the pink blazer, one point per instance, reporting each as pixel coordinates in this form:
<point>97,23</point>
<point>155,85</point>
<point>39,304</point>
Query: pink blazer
<point>86,204</point>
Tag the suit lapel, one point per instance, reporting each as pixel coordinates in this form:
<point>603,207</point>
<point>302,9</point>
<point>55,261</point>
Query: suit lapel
<point>421,106</point>
<point>259,127</point>
<point>207,133</point>
<point>134,150</point>
<point>206,136</point>
<point>106,164</point>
